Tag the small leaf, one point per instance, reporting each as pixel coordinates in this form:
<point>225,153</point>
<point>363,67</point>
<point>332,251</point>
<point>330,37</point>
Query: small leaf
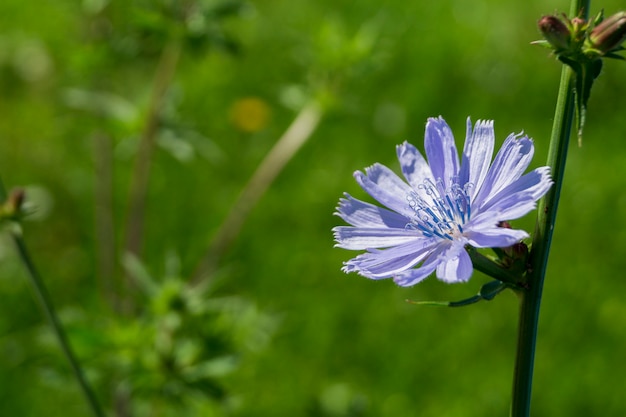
<point>491,289</point>
<point>136,269</point>
<point>487,292</point>
<point>543,43</point>
<point>614,56</point>
<point>429,303</point>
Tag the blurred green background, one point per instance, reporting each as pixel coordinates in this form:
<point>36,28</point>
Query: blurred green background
<point>281,331</point>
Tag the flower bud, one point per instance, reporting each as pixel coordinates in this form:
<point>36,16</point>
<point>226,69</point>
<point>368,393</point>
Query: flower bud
<point>518,251</point>
<point>579,24</point>
<point>555,32</point>
<point>609,34</point>
<point>504,224</point>
<point>12,207</point>
<point>515,257</point>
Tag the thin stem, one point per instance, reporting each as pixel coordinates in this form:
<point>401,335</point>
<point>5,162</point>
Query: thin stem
<point>547,210</point>
<point>141,173</point>
<point>285,148</point>
<point>45,301</point>
<point>46,304</point>
<point>104,218</point>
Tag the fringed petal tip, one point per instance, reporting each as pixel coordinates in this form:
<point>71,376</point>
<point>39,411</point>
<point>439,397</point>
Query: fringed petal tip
<point>438,119</point>
<point>343,203</point>
<point>402,145</point>
<point>358,175</point>
<point>348,268</point>
<point>484,127</point>
<point>352,266</point>
<point>546,174</point>
<point>480,123</point>
<point>336,236</point>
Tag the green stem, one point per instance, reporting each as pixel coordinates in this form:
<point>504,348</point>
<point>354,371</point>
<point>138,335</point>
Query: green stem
<point>48,307</point>
<point>547,209</point>
<point>46,303</point>
<point>141,171</point>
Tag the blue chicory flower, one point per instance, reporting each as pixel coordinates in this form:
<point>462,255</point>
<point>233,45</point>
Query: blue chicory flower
<point>446,205</point>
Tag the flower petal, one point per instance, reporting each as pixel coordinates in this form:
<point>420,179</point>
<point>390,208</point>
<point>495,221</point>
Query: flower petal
<point>377,264</point>
<point>457,268</point>
<point>477,154</point>
<point>520,195</point>
<point>495,237</point>
<point>441,150</point>
<point>509,164</point>
<point>359,238</point>
<point>360,213</point>
<point>414,166</point>
<point>415,275</point>
<point>386,187</point>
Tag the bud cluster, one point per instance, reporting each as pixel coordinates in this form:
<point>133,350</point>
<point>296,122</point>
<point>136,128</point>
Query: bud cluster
<point>581,44</point>
<point>577,38</point>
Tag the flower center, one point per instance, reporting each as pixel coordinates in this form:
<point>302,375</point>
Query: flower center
<point>439,211</point>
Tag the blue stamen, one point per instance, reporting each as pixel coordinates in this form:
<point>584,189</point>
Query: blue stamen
<point>438,211</point>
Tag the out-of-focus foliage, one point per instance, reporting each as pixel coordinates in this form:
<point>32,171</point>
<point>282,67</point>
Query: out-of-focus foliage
<point>78,87</point>
<point>174,356</point>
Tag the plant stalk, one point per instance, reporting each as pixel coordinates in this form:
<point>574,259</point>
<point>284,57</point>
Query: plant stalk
<point>285,148</point>
<point>530,298</point>
<point>45,301</point>
<point>46,304</point>
<point>141,171</point>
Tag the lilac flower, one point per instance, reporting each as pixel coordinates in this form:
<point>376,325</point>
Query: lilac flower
<point>447,204</point>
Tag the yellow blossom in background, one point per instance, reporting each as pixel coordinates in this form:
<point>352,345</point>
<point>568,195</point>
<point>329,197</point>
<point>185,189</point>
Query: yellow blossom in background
<point>250,114</point>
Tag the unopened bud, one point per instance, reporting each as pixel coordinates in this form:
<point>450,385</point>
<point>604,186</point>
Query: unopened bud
<point>515,257</point>
<point>517,251</point>
<point>555,32</point>
<point>504,224</point>
<point>578,23</point>
<point>12,207</point>
<point>609,34</point>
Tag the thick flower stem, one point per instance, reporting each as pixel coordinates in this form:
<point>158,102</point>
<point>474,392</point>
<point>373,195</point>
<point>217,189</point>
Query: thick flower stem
<point>531,297</point>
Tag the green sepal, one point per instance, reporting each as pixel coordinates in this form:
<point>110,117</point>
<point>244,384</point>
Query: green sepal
<point>614,56</point>
<point>493,267</point>
<point>487,292</point>
<point>499,253</point>
<point>543,43</point>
